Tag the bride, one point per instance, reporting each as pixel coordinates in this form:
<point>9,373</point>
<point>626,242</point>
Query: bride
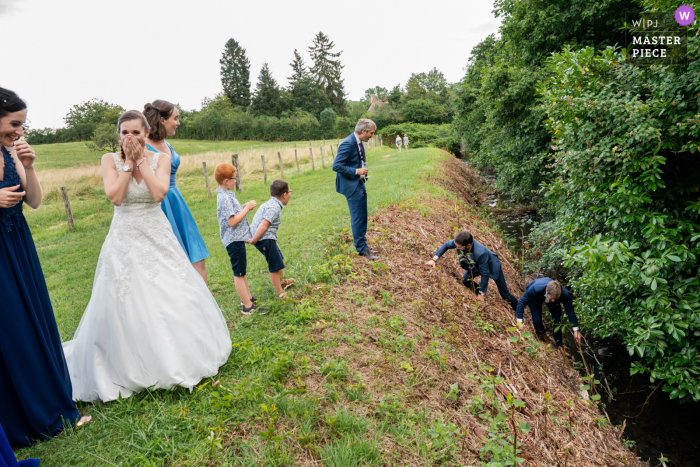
<point>151,321</point>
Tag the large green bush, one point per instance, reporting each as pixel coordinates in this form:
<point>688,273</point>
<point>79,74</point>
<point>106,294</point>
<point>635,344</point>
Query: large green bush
<point>624,193</point>
<point>417,133</point>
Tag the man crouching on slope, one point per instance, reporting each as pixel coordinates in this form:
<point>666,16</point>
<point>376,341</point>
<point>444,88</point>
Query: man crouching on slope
<point>477,260</point>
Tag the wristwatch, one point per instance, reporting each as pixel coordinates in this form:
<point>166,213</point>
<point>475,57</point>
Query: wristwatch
<point>127,168</point>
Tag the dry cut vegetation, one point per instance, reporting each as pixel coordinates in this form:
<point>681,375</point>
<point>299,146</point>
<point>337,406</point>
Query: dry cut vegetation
<point>452,382</point>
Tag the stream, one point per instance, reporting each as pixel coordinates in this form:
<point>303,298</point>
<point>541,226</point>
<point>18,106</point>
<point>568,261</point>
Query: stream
<point>655,425</point>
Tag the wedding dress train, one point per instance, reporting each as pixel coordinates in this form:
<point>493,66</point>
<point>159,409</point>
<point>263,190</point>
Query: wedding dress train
<point>151,321</point>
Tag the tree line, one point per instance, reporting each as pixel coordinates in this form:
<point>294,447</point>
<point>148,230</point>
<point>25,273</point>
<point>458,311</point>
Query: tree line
<point>312,106</point>
<point>607,150</point>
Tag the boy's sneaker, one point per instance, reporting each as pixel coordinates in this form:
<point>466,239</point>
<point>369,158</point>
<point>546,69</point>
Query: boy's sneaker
<point>252,299</point>
<point>253,308</point>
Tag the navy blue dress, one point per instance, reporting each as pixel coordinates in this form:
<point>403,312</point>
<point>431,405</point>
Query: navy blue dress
<point>35,388</point>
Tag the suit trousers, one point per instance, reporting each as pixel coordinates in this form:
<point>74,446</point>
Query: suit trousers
<point>357,203</point>
<point>471,274</point>
<point>555,311</point>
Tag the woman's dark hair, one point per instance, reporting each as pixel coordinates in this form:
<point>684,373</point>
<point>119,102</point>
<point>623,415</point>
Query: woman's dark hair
<point>131,115</point>
<point>10,102</point>
<point>154,112</point>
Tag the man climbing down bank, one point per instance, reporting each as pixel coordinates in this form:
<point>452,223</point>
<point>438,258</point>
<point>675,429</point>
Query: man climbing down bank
<point>551,292</point>
<point>477,260</point>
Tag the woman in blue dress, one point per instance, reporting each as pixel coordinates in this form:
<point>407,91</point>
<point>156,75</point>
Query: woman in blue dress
<point>35,387</point>
<point>164,118</point>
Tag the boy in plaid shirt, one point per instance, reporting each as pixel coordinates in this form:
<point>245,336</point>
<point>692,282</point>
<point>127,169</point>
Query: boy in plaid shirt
<point>265,224</point>
<point>235,232</point>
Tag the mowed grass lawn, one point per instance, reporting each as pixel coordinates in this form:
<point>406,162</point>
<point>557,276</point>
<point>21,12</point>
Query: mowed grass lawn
<point>226,425</point>
<point>60,155</point>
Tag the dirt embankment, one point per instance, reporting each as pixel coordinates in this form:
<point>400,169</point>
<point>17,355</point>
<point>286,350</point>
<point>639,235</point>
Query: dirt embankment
<point>425,343</point>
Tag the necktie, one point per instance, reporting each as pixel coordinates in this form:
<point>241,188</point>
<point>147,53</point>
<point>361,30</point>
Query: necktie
<point>362,153</point>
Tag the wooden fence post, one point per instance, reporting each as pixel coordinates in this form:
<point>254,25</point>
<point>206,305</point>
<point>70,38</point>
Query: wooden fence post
<point>381,140</point>
<point>296,159</point>
<point>206,177</point>
<point>323,163</point>
<point>279,156</point>
<point>311,151</point>
<point>332,154</point>
<point>264,171</point>
<point>69,212</point>
<point>234,161</point>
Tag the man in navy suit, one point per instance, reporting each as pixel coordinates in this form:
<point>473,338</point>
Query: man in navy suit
<point>477,260</point>
<point>350,165</point>
<point>551,292</point>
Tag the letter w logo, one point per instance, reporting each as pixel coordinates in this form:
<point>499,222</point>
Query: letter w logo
<point>685,15</point>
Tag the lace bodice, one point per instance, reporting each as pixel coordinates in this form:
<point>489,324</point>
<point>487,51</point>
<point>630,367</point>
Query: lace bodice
<point>136,193</point>
<point>11,178</point>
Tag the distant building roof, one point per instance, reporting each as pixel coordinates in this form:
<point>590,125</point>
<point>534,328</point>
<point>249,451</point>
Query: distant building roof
<point>375,102</point>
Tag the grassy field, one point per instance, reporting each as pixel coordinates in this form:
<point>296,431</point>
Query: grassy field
<point>63,155</point>
<point>178,428</point>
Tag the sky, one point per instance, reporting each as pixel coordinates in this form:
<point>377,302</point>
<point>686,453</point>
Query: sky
<point>58,53</point>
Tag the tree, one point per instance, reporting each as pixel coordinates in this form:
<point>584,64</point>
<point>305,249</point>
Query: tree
<point>326,71</point>
<point>235,74</point>
<point>328,117</point>
<point>298,68</point>
<point>104,138</point>
<point>423,111</point>
<point>431,85</point>
<point>82,120</point>
<point>307,96</point>
<point>395,95</point>
<point>268,96</point>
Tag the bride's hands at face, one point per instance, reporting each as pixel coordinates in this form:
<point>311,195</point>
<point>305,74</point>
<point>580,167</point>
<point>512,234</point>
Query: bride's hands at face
<point>132,148</point>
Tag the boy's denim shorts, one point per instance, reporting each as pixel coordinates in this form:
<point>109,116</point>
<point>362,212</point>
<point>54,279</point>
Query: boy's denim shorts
<point>272,254</point>
<point>236,251</point>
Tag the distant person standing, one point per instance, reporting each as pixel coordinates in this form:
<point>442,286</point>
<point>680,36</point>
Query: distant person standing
<point>398,142</point>
<point>350,165</point>
<point>405,141</point>
<point>164,118</point>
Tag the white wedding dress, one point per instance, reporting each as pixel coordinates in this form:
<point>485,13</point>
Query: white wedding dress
<point>151,321</point>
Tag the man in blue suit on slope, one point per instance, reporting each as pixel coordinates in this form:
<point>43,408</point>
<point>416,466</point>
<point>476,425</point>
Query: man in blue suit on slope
<point>350,165</point>
<point>551,292</point>
<point>477,260</point>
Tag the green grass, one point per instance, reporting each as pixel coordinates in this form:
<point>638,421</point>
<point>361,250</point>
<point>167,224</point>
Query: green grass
<point>250,417</point>
<point>60,155</point>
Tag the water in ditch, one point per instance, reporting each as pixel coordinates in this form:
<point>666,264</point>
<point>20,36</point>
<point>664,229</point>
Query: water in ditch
<point>655,426</point>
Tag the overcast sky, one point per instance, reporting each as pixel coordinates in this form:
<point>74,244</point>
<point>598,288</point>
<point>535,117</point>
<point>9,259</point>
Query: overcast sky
<point>58,53</point>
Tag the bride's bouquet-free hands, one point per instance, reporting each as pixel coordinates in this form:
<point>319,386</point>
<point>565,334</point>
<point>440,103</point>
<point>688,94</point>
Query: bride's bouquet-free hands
<point>133,149</point>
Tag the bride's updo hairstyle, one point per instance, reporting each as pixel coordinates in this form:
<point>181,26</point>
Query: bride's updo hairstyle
<point>131,115</point>
<point>154,112</point>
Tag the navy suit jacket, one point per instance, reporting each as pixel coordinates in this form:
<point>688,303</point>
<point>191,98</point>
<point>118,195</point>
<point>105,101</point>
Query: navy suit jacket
<point>346,163</point>
<point>534,296</point>
<point>479,257</point>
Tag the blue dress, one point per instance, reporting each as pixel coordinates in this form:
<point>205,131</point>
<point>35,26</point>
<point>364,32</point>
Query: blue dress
<point>179,215</point>
<point>7,457</point>
<point>35,387</point>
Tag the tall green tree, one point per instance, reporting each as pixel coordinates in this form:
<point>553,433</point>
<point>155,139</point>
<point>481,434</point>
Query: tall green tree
<point>431,85</point>
<point>307,96</point>
<point>83,119</point>
<point>395,95</point>
<point>299,70</point>
<point>235,74</point>
<point>327,70</point>
<point>268,96</point>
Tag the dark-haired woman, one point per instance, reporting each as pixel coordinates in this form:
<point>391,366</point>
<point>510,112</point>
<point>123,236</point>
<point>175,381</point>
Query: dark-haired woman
<point>35,387</point>
<point>164,119</point>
